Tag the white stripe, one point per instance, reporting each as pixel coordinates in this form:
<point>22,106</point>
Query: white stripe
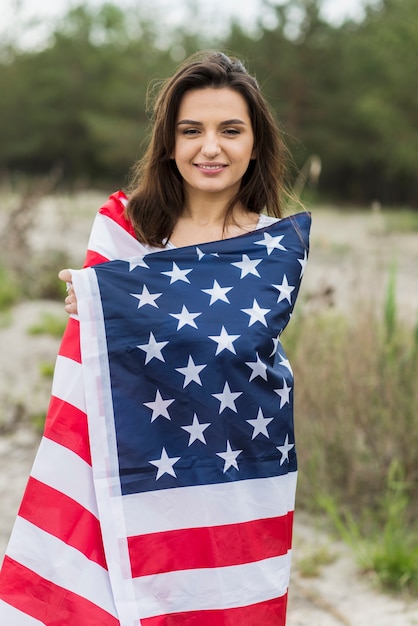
<point>103,444</point>
<point>205,589</point>
<point>112,241</point>
<point>209,505</point>
<point>68,384</point>
<point>9,616</point>
<point>63,470</point>
<point>61,564</point>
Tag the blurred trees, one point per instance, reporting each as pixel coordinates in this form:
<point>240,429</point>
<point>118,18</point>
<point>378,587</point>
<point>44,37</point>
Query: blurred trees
<point>345,92</point>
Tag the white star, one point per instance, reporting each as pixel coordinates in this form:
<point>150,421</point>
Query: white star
<point>271,243</point>
<point>195,430</point>
<point>276,342</point>
<point>247,266</point>
<point>303,263</point>
<point>165,464</point>
<point>229,456</point>
<point>285,290</point>
<point>286,363</point>
<point>153,349</point>
<point>224,341</point>
<point>177,274</point>
<point>201,254</point>
<point>227,398</point>
<point>259,368</point>
<point>217,293</point>
<point>260,425</point>
<point>284,393</point>
<point>185,318</point>
<point>146,297</point>
<point>257,314</point>
<point>191,372</point>
<point>137,262</point>
<point>285,449</point>
<point>159,407</point>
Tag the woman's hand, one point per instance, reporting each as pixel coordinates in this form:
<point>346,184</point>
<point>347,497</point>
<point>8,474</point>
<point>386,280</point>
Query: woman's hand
<point>70,300</point>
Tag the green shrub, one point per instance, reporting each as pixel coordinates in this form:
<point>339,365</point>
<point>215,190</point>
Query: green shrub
<point>356,408</point>
<point>9,290</point>
<point>49,325</point>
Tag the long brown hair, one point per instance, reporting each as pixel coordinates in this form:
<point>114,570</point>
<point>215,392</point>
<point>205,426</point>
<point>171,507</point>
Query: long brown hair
<point>156,193</point>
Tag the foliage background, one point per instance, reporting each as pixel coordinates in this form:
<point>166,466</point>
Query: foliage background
<point>78,104</point>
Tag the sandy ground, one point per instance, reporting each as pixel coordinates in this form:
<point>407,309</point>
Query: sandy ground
<point>349,266</point>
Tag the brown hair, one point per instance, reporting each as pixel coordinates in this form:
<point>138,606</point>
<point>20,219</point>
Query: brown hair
<point>156,194</point>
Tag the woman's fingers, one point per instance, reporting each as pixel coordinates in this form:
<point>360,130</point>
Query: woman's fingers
<point>70,300</point>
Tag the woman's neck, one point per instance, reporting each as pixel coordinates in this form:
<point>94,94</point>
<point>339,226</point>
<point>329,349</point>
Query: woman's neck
<point>206,222</point>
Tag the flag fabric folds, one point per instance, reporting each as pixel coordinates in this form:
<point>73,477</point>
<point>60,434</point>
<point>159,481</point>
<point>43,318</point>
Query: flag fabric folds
<point>163,490</point>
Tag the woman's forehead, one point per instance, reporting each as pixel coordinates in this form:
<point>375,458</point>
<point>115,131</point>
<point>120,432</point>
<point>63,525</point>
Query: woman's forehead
<point>215,101</point>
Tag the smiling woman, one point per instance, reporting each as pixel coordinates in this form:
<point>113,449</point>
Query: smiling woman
<point>163,491</point>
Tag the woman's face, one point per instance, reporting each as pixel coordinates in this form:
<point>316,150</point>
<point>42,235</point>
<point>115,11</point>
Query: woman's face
<point>214,142</point>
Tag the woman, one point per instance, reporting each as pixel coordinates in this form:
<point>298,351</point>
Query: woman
<point>163,490</point>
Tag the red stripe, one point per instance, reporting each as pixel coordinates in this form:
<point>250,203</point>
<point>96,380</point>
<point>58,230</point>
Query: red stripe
<point>94,258</point>
<point>216,546</point>
<point>67,425</point>
<point>115,209</point>
<point>49,603</point>
<point>70,344</point>
<point>270,613</point>
<point>64,518</point>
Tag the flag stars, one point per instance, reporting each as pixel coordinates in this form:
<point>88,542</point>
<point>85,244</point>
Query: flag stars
<point>224,341</point>
<point>256,313</point>
<point>217,293</point>
<point>165,464</point>
<point>285,449</point>
<point>230,457</point>
<point>258,368</point>
<point>303,263</point>
<point>285,290</point>
<point>284,393</point>
<point>271,243</point>
<point>260,425</point>
<point>146,297</point>
<point>176,274</point>
<point>191,372</point>
<point>153,349</point>
<point>248,266</point>
<point>227,398</point>
<point>185,318</point>
<point>276,343</point>
<point>159,407</point>
<point>196,430</point>
<point>137,262</point>
<point>286,364</point>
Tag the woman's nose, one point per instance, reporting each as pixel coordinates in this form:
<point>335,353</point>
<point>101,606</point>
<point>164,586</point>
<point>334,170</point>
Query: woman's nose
<point>210,146</point>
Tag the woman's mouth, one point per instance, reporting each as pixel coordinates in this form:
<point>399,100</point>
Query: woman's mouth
<point>210,167</point>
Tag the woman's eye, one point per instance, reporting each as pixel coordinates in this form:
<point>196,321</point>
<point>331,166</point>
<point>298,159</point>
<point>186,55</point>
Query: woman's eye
<point>190,131</point>
<point>231,131</point>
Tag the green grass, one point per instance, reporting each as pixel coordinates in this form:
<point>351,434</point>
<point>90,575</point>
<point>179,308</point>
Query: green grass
<point>400,221</point>
<point>46,369</point>
<point>310,566</point>
<point>356,409</point>
<point>9,290</point>
<point>49,324</point>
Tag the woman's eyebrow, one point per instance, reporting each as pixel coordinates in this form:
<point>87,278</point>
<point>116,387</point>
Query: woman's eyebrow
<point>225,123</point>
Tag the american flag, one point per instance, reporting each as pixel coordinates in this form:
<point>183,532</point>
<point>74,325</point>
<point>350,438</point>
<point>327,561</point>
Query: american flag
<point>163,490</point>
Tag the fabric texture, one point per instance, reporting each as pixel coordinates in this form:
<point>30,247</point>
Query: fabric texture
<point>163,489</point>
